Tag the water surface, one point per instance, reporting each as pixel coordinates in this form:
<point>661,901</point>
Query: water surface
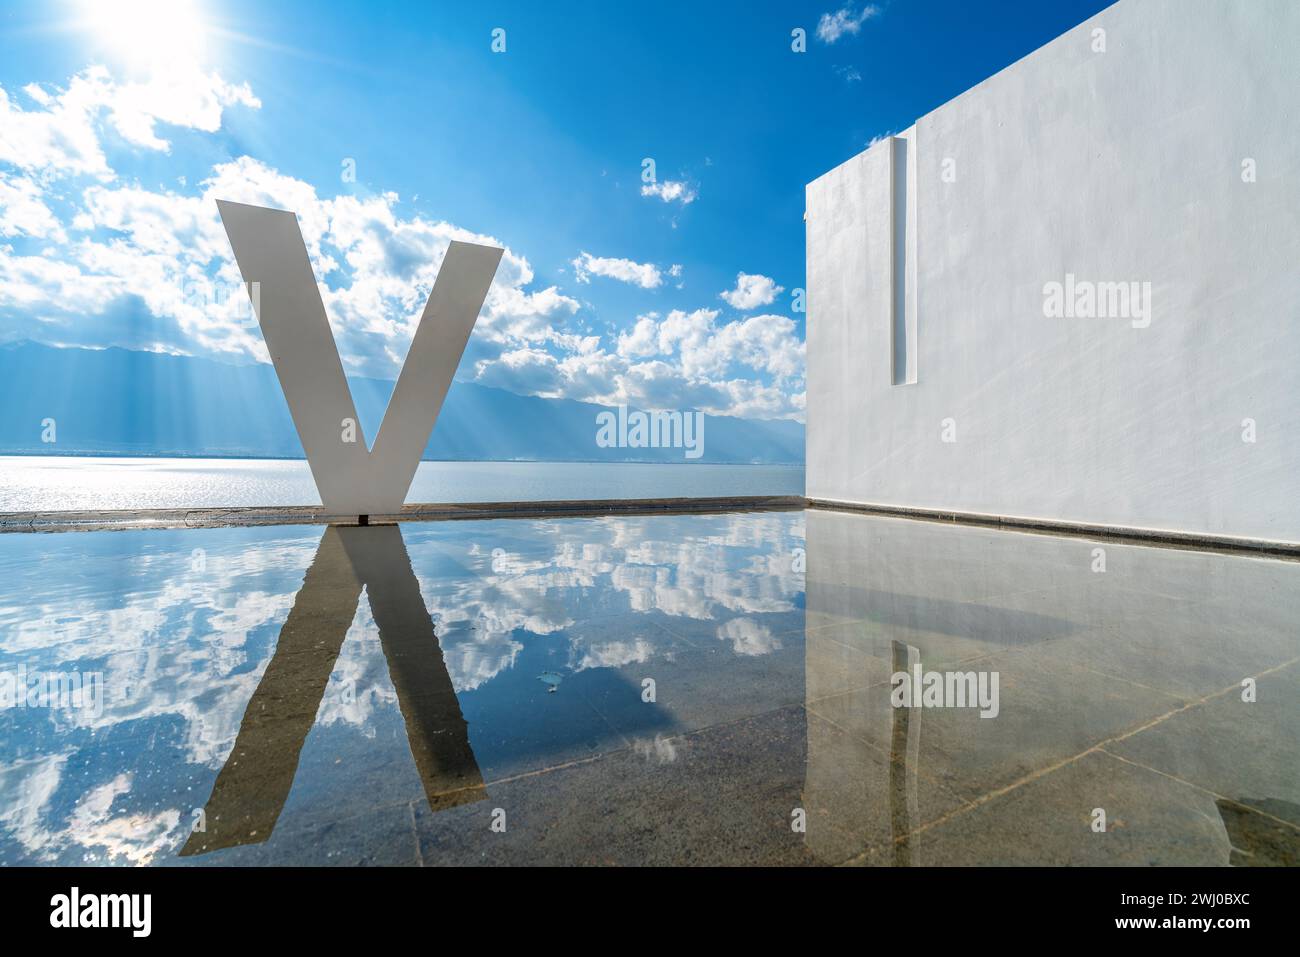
<point>698,689</point>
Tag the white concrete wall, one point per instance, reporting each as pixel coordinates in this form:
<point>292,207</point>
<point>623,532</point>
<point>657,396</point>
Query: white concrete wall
<point>1123,165</point>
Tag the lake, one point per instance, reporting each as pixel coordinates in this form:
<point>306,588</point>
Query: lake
<point>74,483</point>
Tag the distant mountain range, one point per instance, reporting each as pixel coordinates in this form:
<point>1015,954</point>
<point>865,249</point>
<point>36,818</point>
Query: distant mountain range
<point>122,402</point>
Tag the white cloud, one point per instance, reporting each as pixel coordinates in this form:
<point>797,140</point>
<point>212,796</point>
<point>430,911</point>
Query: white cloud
<point>880,138</point>
<point>38,93</point>
<point>767,342</point>
<point>188,98</point>
<point>645,275</point>
<point>751,291</point>
<point>671,191</point>
<point>168,252</point>
<point>684,360</point>
<point>23,211</point>
<point>643,339</point>
<point>62,138</point>
<point>691,336</point>
<point>530,370</point>
<point>748,637</point>
<point>45,288</point>
<point>832,26</point>
<point>91,260</point>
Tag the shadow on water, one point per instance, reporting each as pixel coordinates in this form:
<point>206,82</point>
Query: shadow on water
<point>252,787</point>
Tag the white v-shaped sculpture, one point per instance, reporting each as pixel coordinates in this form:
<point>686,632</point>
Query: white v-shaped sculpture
<point>352,479</point>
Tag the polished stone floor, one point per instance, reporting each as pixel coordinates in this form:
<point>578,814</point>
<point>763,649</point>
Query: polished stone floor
<point>690,689</point>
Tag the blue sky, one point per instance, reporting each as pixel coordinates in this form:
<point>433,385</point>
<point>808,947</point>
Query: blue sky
<point>118,130</point>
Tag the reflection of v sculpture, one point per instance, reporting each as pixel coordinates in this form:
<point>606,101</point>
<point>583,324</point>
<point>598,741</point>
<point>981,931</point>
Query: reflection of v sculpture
<point>251,789</point>
<point>352,479</point>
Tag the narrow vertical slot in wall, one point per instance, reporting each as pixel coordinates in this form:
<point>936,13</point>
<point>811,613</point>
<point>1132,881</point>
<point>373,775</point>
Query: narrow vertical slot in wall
<point>903,202</point>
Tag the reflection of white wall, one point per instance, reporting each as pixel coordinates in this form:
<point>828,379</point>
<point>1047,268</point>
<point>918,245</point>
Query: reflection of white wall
<point>1162,624</point>
<point>1123,165</point>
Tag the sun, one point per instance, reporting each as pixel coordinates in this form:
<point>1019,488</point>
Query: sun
<point>146,33</point>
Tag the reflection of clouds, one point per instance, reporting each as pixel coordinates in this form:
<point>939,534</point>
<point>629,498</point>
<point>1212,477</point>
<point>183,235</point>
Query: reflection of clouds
<point>126,838</point>
<point>699,567</point>
<point>169,636</point>
<point>136,838</point>
<point>474,663</point>
<point>476,619</point>
<point>183,644</point>
<point>748,637</point>
<point>359,685</point>
<point>28,787</point>
<point>116,602</point>
<point>206,682</point>
<point>614,654</point>
<point>707,572</point>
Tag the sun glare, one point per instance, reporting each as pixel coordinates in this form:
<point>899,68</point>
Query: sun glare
<point>147,32</point>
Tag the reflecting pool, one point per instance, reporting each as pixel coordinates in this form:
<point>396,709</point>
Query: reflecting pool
<point>666,689</point>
